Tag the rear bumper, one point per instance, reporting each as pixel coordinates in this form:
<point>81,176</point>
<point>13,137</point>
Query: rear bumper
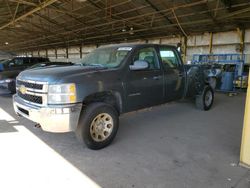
<point>63,118</point>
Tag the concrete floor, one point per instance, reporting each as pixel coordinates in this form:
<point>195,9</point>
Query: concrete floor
<point>170,146</point>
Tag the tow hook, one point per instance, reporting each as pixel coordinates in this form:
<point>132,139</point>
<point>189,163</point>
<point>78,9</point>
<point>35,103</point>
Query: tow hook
<point>19,115</point>
<point>37,125</point>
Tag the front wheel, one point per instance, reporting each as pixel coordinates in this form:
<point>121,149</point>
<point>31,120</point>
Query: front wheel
<point>206,99</point>
<point>98,125</point>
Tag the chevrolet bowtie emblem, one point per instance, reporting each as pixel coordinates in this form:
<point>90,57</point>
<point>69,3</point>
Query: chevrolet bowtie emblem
<point>23,89</point>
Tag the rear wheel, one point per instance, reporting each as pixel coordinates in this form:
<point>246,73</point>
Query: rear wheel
<point>212,82</point>
<point>98,125</point>
<point>206,99</point>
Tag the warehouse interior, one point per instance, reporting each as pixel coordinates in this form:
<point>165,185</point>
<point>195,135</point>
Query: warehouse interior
<point>170,145</point>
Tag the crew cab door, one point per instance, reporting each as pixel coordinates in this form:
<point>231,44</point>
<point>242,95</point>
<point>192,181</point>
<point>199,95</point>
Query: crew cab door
<point>174,73</point>
<point>144,88</point>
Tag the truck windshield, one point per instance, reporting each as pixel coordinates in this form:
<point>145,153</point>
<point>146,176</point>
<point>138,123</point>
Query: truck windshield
<point>108,57</point>
<point>4,61</point>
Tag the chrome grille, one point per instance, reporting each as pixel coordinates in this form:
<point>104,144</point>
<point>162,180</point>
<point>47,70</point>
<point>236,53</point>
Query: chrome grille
<point>31,98</point>
<point>35,92</point>
<point>30,85</point>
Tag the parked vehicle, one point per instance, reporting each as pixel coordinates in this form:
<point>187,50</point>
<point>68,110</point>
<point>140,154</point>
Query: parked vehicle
<point>111,80</point>
<point>50,64</point>
<point>2,62</point>
<point>9,70</point>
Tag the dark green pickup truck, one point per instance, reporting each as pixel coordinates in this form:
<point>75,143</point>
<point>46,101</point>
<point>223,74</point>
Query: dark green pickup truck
<point>89,97</point>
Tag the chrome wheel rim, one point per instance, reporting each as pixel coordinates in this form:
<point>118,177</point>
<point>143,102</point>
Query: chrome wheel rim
<point>101,127</point>
<point>208,98</point>
<point>213,82</point>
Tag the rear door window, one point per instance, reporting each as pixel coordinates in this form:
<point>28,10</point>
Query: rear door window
<point>26,61</point>
<point>34,60</point>
<point>42,60</point>
<point>168,58</point>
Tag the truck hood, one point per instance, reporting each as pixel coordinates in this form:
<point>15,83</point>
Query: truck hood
<point>56,74</point>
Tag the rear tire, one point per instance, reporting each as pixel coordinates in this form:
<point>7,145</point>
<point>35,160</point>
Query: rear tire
<point>206,99</point>
<point>98,125</point>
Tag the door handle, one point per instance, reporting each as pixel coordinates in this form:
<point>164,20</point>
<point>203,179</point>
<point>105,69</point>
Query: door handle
<point>180,74</point>
<point>156,77</point>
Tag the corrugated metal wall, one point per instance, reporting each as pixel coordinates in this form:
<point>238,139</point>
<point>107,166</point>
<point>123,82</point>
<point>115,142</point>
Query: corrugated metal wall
<point>223,42</point>
<point>6,55</point>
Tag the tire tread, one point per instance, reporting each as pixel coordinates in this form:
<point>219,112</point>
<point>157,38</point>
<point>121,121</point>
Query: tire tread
<point>82,132</point>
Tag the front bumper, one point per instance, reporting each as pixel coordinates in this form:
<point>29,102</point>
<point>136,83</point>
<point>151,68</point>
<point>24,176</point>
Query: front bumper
<point>56,118</point>
<point>5,85</point>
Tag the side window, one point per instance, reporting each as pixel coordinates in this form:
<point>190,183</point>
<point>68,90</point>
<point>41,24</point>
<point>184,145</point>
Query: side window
<point>41,60</point>
<point>149,55</point>
<point>168,58</point>
<point>18,62</point>
<point>26,61</point>
<point>34,60</point>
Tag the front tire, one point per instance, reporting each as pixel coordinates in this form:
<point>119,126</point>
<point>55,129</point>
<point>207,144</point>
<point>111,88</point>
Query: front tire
<point>206,99</point>
<point>98,125</point>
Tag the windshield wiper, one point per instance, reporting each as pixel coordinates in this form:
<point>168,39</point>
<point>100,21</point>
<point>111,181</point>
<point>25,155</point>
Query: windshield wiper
<point>93,65</point>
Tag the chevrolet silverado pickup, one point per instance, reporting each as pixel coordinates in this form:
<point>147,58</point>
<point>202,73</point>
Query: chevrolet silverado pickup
<point>89,97</point>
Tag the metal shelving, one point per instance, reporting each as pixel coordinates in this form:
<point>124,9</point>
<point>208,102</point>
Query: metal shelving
<point>237,61</point>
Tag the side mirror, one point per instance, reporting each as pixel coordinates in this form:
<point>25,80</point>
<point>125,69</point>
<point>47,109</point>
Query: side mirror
<point>11,64</point>
<point>139,65</point>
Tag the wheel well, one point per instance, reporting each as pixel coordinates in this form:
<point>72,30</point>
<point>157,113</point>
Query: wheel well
<point>110,98</point>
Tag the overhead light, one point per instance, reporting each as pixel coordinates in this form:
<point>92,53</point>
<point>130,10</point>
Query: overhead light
<point>123,30</point>
<point>131,32</point>
<point>6,43</point>
<point>18,25</point>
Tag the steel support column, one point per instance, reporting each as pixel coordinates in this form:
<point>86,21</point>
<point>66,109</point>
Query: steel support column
<point>211,43</point>
<point>245,142</point>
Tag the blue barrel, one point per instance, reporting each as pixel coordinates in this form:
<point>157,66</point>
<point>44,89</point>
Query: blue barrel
<point>227,81</point>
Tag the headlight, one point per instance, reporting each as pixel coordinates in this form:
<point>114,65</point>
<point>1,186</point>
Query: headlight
<point>6,81</point>
<point>62,94</point>
<point>9,80</point>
